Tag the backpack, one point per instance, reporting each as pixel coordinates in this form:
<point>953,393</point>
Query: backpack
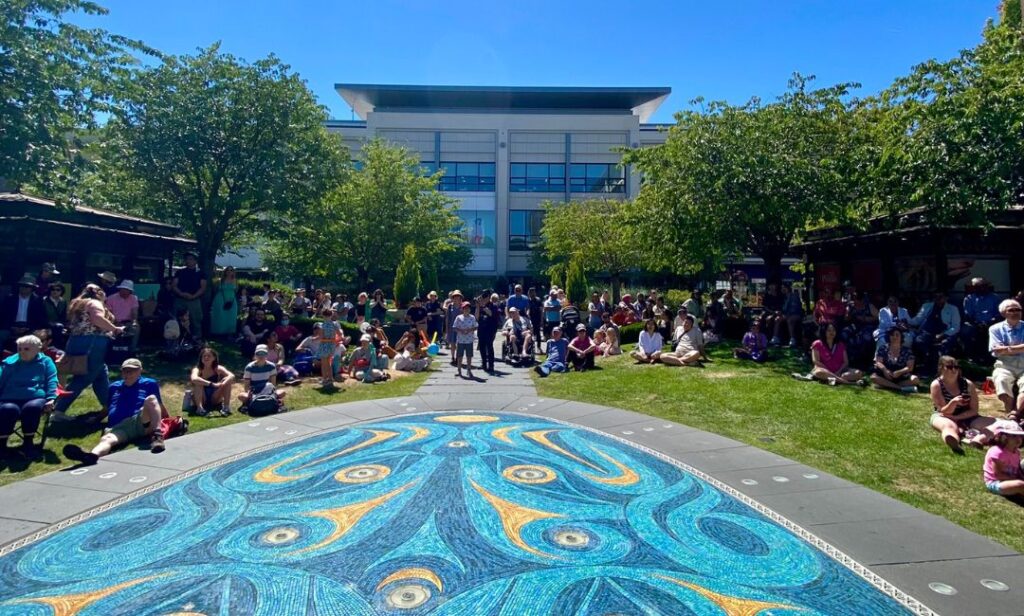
<point>263,404</point>
<point>173,426</point>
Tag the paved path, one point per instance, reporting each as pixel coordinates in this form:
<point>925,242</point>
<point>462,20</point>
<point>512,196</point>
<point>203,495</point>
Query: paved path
<point>913,555</point>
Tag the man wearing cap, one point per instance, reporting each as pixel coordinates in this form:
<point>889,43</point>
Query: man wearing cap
<point>300,304</point>
<point>135,411</point>
<point>488,320</point>
<point>518,332</point>
<point>260,377</point>
<point>23,312</point>
<point>124,305</point>
<point>582,350</point>
<point>558,351</point>
<point>188,285</point>
<point>47,275</point>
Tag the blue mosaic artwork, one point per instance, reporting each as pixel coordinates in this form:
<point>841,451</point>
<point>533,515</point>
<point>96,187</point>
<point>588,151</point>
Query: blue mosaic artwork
<point>441,514</point>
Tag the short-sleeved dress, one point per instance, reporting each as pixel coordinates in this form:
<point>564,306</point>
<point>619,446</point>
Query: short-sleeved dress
<point>328,334</point>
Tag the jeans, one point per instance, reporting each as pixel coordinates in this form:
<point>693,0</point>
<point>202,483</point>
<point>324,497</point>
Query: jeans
<point>28,411</point>
<point>487,350</point>
<point>552,366</point>
<point>97,375</point>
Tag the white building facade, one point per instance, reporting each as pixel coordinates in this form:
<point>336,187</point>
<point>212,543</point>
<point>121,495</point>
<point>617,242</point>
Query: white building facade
<point>507,150</point>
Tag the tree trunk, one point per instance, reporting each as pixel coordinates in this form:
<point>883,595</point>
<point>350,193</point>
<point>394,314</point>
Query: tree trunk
<point>616,287</point>
<point>772,258</point>
<point>363,276</point>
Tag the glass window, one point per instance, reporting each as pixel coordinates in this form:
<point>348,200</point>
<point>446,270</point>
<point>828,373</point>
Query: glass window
<point>467,177</point>
<point>524,228</point>
<point>537,177</point>
<point>486,170</point>
<point>596,178</point>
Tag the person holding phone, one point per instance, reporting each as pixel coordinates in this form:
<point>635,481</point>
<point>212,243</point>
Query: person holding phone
<point>955,414</point>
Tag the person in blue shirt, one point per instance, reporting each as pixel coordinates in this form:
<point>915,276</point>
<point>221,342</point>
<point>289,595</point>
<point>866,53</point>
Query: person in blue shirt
<point>519,301</point>
<point>1006,343</point>
<point>28,388</point>
<point>558,351</point>
<point>981,311</point>
<point>135,411</point>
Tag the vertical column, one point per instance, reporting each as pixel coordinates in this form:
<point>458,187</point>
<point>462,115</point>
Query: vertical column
<point>501,200</point>
<point>568,164</point>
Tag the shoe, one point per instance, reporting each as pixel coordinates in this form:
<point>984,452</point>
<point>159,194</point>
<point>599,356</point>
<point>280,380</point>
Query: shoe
<point>538,370</point>
<point>6,453</point>
<point>30,451</point>
<point>76,453</point>
<point>802,377</point>
<point>909,389</point>
<point>792,343</point>
<point>58,417</point>
<point>156,444</point>
<point>200,412</point>
<point>225,410</point>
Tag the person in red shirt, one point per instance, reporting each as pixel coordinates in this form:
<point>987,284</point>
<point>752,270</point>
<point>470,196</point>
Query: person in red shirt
<point>287,334</point>
<point>830,309</point>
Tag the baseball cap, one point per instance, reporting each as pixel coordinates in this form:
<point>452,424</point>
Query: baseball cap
<point>261,349</point>
<point>365,338</point>
<point>581,327</point>
<point>467,305</point>
<point>131,364</point>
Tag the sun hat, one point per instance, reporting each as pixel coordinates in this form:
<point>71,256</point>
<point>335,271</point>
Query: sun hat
<point>365,338</point>
<point>127,284</point>
<point>261,349</point>
<point>28,280</point>
<point>107,276</point>
<point>50,267</point>
<point>512,309</point>
<point>456,292</point>
<point>1005,426</point>
<point>553,293</point>
<point>581,327</point>
<point>131,364</point>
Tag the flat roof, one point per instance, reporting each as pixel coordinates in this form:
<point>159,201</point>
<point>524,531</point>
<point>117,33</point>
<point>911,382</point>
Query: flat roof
<point>364,98</point>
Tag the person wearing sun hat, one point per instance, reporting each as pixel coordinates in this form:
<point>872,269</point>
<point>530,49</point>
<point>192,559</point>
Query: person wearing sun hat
<point>452,310</point>
<point>108,282</point>
<point>1001,470</point>
<point>47,275</point>
<point>135,411</point>
<point>124,305</point>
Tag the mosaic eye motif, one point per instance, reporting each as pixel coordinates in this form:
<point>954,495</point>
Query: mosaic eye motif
<point>366,473</point>
<point>408,596</point>
<point>525,473</point>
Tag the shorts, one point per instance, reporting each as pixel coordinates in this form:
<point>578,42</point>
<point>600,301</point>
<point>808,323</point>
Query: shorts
<point>993,487</point>
<point>208,391</point>
<point>129,429</point>
<point>962,424</point>
<point>1004,380</point>
<point>464,349</point>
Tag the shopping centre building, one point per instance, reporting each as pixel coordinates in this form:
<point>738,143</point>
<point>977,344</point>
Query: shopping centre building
<point>507,150</point>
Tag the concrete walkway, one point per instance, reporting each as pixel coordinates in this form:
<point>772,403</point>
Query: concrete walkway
<point>919,558</point>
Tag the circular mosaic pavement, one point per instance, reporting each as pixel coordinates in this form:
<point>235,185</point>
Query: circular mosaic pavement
<point>441,514</point>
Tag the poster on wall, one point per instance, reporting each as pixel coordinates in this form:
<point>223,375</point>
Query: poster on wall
<point>478,233</point>
<point>916,276</point>
<point>960,269</point>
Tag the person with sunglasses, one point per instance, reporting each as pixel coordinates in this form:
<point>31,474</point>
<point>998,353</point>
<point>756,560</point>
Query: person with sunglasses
<point>955,413</point>
<point>136,411</point>
<point>28,388</point>
<point>1006,343</point>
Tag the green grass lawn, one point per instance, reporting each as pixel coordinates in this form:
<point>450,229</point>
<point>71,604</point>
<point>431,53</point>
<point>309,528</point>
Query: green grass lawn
<point>173,378</point>
<point>878,439</point>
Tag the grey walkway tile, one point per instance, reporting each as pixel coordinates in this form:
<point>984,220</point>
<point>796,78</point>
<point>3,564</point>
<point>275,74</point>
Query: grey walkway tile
<point>647,425</point>
<point>674,443</point>
<point>965,577</point>
<point>109,476</point>
<point>11,530</point>
<point>271,429</point>
<point>781,480</point>
<point>319,418</point>
<point>838,505</point>
<point>739,458</point>
<point>611,418</point>
<point>189,451</point>
<point>40,502</point>
<point>918,538</point>
<point>532,404</point>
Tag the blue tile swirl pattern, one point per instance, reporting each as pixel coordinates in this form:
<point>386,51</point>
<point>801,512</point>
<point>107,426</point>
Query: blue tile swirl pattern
<point>441,514</point>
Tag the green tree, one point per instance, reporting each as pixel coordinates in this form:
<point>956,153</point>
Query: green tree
<point>746,179</point>
<point>428,277</point>
<point>407,277</point>
<point>570,228</point>
<point>54,78</point>
<point>220,147</point>
<point>950,134</point>
<point>576,281</point>
<point>360,229</point>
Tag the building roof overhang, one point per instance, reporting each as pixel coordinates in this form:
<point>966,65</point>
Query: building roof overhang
<point>364,98</point>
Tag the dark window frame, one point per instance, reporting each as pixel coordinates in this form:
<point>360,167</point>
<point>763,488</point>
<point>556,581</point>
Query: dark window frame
<point>480,182</point>
<point>533,222</point>
<point>552,180</point>
<point>597,178</point>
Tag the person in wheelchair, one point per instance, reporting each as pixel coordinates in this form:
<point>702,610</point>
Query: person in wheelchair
<point>518,335</point>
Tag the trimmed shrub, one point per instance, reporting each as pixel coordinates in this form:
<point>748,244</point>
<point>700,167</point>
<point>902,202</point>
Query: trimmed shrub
<point>675,297</point>
<point>576,283</point>
<point>630,334</point>
<point>407,277</point>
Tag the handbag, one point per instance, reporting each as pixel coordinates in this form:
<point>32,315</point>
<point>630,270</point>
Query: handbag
<point>74,365</point>
<point>173,426</point>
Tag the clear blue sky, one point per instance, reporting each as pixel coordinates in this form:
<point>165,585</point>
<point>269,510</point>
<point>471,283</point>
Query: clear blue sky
<point>719,50</point>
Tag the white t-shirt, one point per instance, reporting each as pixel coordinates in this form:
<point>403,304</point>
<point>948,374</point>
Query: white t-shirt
<point>692,340</point>
<point>650,343</point>
<point>464,322</point>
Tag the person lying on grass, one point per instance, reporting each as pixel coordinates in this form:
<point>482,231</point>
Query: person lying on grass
<point>894,365</point>
<point>648,347</point>
<point>955,408</point>
<point>136,410</point>
<point>1002,472</point>
<point>690,347</point>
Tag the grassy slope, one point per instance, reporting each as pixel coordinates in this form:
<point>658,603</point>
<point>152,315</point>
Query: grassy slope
<point>878,439</point>
<point>172,379</point>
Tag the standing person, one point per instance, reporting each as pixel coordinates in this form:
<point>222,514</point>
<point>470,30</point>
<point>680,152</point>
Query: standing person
<point>435,316</point>
<point>557,354</point>
<point>189,285</point>
<point>47,275</point>
<point>453,310</point>
<point>124,305</point>
<point>330,334</point>
<point>793,314</point>
<point>582,350</point>
<point>224,306</point>
<point>211,383</point>
<point>379,307</point>
<point>300,304</point>
<point>1006,343</point>
<point>28,388</point>
<point>594,311</point>
<point>488,321</point>
<point>362,303</point>
<point>955,407</point>
<point>552,313</point>
<point>89,327</point>
<point>56,314</point>
<point>464,325</point>
<point>136,411</point>
<point>416,315</point>
<point>534,314</point>
<point>771,316</point>
<point>648,348</point>
<point>519,301</point>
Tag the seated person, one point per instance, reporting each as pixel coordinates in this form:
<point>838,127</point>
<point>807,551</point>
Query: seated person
<point>28,388</point>
<point>178,338</point>
<point>981,311</point>
<point>754,345</point>
<point>830,309</point>
<point>1002,470</point>
<point>287,334</point>
<point>893,315</point>
<point>366,364</point>
<point>1006,343</point>
<point>518,332</point>
<point>259,378</point>
<point>733,325</point>
<point>955,408</point>
<point>135,410</point>
<point>417,315</point>
<point>254,331</point>
<point>689,346</point>
<point>938,328</point>
<point>211,384</point>
<point>648,347</point>
<point>56,312</point>
<point>607,342</point>
<point>623,316</point>
<point>311,344</point>
<point>894,365</point>
<point>23,312</point>
<point>557,354</point>
<point>861,322</point>
<point>828,354</point>
<point>273,305</point>
<point>412,353</point>
<point>285,373</point>
<point>582,350</point>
